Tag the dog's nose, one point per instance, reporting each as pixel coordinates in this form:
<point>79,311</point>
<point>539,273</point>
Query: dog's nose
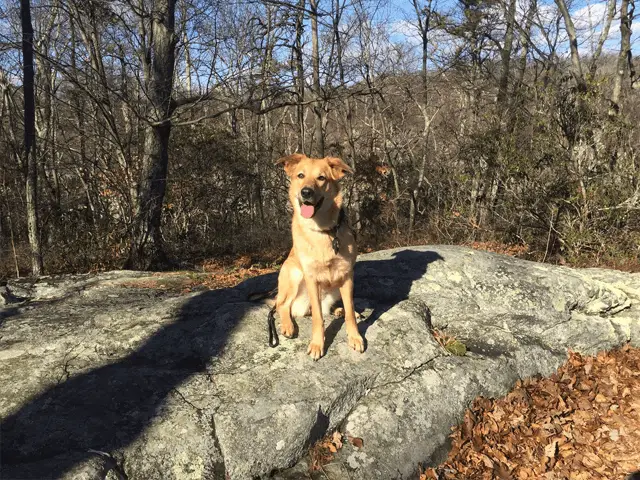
<point>306,192</point>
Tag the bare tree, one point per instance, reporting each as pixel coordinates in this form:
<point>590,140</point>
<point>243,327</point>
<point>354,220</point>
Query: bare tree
<point>506,53</point>
<point>604,34</point>
<point>624,57</point>
<point>423,18</point>
<point>299,75</point>
<point>29,154</point>
<point>158,49</point>
<point>318,106</point>
<point>576,64</point>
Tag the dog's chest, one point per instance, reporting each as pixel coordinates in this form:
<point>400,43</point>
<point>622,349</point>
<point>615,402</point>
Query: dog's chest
<point>335,271</point>
<point>330,271</point>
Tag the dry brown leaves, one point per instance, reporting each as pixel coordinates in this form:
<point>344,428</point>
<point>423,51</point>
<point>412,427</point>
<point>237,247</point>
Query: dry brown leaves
<point>582,423</point>
<point>323,451</point>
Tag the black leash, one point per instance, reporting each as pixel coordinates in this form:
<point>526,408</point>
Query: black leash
<point>335,243</point>
<point>273,335</point>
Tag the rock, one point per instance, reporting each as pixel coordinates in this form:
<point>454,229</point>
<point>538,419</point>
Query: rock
<point>7,297</point>
<point>100,380</point>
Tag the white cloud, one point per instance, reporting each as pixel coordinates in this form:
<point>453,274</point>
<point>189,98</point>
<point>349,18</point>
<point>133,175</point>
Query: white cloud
<point>590,17</point>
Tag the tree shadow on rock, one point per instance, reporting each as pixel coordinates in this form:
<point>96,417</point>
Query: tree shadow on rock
<point>383,283</point>
<point>107,408</point>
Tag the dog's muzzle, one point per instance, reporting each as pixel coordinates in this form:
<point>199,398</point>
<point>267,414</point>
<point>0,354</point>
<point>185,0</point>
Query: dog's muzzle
<point>308,207</point>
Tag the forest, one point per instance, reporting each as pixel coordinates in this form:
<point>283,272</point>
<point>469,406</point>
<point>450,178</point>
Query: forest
<point>143,133</point>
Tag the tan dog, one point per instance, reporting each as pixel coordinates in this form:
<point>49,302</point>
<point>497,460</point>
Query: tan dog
<point>320,264</point>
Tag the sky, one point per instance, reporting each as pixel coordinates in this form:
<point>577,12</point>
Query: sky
<point>588,17</point>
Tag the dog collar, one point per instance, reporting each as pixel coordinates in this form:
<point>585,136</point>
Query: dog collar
<point>333,232</point>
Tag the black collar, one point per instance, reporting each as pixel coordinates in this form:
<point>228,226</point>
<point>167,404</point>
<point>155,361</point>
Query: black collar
<point>333,232</point>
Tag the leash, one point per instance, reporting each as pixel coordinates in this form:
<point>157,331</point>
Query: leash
<point>273,335</point>
<point>335,244</point>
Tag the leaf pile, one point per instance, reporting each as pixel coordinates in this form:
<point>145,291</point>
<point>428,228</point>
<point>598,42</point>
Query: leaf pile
<point>581,423</point>
<point>323,450</point>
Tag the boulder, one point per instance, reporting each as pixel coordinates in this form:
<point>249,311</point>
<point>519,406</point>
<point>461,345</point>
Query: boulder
<point>103,379</point>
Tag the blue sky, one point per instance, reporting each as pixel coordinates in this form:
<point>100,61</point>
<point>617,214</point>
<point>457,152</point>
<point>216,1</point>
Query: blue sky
<point>587,15</point>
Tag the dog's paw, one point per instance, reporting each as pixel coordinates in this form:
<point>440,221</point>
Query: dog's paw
<point>356,342</point>
<point>287,329</point>
<point>339,312</point>
<point>315,350</point>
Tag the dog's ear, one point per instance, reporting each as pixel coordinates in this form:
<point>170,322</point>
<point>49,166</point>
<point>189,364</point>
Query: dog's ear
<point>338,167</point>
<point>290,162</point>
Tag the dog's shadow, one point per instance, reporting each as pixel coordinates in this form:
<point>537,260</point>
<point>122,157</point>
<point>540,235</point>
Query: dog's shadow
<point>383,284</point>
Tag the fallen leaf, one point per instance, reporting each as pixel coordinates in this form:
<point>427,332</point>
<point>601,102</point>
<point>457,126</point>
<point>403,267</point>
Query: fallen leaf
<point>337,439</point>
<point>487,461</point>
<point>503,472</point>
<point>551,450</point>
<point>355,441</point>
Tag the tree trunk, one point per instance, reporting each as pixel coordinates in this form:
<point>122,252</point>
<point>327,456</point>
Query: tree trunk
<point>187,50</point>
<point>300,75</point>
<point>147,250</point>
<point>423,16</point>
<point>576,65</point>
<point>354,197</point>
<point>625,52</point>
<point>505,54</point>
<point>318,104</point>
<point>604,34</point>
<point>526,42</point>
<point>29,151</point>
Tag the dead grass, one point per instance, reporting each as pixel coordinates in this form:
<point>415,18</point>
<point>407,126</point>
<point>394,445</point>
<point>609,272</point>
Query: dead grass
<point>514,250</point>
<point>216,273</point>
<point>450,343</point>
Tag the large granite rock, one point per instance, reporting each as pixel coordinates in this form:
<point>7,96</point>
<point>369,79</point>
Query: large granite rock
<point>102,380</point>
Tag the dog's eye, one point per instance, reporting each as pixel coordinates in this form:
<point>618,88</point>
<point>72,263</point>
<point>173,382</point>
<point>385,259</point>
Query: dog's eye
<point>301,175</point>
<point>322,178</point>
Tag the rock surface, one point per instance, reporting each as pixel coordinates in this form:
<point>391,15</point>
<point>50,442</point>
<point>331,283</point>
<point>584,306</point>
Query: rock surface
<point>101,380</point>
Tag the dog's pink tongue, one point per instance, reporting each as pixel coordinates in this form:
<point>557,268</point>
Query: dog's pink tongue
<point>307,210</point>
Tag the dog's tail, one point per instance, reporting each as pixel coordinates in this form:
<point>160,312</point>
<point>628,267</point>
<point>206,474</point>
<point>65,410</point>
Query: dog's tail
<point>273,335</point>
<point>266,297</point>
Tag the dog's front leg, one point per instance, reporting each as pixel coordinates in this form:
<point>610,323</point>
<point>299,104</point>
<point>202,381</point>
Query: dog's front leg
<point>353,336</point>
<point>316,347</point>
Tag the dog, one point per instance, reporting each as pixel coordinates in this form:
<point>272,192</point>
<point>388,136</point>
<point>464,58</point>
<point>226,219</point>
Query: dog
<point>319,268</point>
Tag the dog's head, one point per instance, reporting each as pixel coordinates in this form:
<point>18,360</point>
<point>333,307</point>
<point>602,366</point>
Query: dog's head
<point>314,182</point>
